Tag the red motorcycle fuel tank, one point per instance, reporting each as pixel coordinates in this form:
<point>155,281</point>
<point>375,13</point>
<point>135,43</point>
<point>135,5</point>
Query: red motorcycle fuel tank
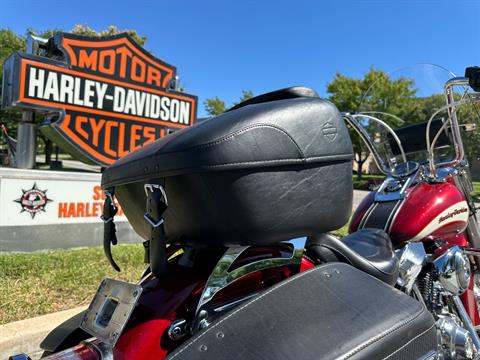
<point>428,211</point>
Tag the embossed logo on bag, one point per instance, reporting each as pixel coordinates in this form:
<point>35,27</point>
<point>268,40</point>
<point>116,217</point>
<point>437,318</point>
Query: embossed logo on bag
<point>111,95</point>
<point>329,131</point>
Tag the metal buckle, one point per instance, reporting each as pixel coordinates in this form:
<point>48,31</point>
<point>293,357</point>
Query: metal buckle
<point>107,220</point>
<point>150,188</point>
<point>109,195</point>
<point>151,222</point>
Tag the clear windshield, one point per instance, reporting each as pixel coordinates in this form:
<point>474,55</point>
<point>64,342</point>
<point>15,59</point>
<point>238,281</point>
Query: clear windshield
<point>404,99</point>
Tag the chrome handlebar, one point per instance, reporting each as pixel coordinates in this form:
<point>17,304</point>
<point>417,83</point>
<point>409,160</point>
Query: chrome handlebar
<point>451,105</point>
<point>448,88</point>
<point>350,119</point>
<point>452,119</point>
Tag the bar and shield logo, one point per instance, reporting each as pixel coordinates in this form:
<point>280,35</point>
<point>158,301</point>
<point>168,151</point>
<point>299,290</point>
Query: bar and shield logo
<point>108,96</point>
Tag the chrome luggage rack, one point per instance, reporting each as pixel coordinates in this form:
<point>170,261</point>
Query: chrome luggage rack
<point>222,276</point>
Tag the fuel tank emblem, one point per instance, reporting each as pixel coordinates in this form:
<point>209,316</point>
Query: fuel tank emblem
<point>451,214</point>
<point>455,216</point>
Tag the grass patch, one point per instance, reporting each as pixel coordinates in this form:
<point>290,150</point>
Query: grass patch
<point>476,188</point>
<point>342,231</point>
<point>361,184</point>
<point>370,176</point>
<point>367,182</point>
<point>33,284</point>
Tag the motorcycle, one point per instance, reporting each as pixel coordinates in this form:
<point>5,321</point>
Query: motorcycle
<point>224,197</point>
<point>428,211</point>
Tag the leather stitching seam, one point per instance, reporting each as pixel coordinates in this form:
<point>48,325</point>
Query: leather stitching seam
<point>382,335</point>
<point>409,342</point>
<point>238,132</point>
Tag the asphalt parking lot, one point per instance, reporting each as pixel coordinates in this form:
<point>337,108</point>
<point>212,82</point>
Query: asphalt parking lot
<point>358,196</point>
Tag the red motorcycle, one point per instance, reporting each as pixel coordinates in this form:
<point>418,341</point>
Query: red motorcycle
<point>217,204</point>
<point>426,207</point>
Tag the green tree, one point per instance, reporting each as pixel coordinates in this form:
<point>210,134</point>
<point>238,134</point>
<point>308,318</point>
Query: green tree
<point>88,31</point>
<point>246,94</point>
<point>467,114</point>
<point>376,91</point>
<point>9,43</point>
<point>470,114</point>
<point>346,92</point>
<point>216,106</point>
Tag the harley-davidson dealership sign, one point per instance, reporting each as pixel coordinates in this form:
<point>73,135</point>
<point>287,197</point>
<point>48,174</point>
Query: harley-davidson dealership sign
<point>111,96</point>
<point>38,197</point>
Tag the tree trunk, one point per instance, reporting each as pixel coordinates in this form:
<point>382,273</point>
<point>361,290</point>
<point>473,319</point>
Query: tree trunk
<point>359,168</point>
<point>48,152</point>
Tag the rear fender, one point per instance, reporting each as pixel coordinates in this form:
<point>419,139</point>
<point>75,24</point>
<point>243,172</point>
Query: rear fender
<point>65,335</point>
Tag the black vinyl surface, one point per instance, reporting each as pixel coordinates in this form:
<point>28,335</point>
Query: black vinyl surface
<point>369,250</point>
<point>333,311</point>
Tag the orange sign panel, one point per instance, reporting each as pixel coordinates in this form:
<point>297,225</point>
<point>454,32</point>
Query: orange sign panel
<point>111,96</point>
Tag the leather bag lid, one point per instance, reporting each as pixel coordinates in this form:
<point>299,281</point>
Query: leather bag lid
<point>290,131</point>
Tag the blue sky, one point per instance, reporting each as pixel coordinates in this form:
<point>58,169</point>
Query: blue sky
<point>221,47</point>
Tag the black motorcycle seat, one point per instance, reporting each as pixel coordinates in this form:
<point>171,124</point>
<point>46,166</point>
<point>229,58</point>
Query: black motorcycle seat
<point>369,250</point>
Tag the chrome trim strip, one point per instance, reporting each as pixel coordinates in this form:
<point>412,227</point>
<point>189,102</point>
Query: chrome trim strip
<point>234,303</point>
<point>432,355</point>
<point>397,195</point>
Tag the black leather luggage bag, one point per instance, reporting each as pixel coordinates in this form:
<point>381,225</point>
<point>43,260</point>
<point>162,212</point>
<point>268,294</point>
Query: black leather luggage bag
<point>262,173</point>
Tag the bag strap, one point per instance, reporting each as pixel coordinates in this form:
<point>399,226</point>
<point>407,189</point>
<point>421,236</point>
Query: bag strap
<point>109,229</point>
<point>156,205</point>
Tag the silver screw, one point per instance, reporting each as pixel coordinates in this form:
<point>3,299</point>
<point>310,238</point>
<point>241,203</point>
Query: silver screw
<point>202,314</point>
